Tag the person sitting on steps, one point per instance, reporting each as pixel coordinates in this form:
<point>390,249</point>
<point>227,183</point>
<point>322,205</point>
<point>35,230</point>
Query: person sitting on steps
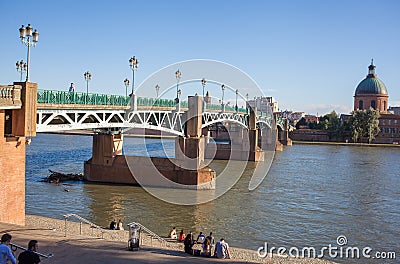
<point>200,238</point>
<point>181,236</point>
<point>172,233</point>
<point>113,225</point>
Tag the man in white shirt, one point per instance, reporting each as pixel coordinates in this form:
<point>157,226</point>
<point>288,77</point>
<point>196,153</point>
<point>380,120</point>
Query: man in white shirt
<point>222,249</point>
<point>200,238</point>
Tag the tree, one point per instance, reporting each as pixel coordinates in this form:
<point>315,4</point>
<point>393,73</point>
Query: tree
<point>302,122</point>
<point>333,121</point>
<point>365,123</point>
<point>373,122</point>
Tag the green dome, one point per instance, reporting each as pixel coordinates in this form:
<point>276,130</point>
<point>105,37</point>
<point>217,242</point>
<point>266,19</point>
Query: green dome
<point>371,85</point>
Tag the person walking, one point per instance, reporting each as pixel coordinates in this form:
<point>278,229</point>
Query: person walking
<point>30,256</point>
<point>5,251</point>
<point>72,88</point>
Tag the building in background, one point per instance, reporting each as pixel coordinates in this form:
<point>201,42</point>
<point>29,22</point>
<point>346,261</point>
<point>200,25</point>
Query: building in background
<point>371,92</point>
<point>394,110</point>
<point>263,103</point>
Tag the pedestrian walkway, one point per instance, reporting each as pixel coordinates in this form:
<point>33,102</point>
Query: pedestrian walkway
<point>80,249</point>
<point>85,249</point>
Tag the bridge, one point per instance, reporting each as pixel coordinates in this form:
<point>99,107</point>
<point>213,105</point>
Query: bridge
<point>63,111</point>
<point>25,110</point>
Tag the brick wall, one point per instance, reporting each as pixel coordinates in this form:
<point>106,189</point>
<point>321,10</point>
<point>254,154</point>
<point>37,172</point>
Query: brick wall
<point>12,177</point>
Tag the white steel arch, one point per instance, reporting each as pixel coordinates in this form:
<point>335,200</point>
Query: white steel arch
<point>52,120</point>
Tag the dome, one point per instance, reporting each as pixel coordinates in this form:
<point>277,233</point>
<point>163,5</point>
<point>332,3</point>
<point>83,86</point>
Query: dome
<point>371,84</point>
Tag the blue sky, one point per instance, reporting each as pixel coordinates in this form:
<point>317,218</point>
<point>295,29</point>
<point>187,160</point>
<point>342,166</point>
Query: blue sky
<point>309,55</point>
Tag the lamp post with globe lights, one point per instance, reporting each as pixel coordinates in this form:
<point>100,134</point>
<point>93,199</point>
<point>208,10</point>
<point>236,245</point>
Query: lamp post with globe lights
<point>21,68</point>
<point>30,39</point>
<point>157,90</point>
<point>126,83</point>
<point>178,76</point>
<point>222,99</point>
<point>203,83</point>
<point>88,76</point>
<point>236,105</point>
<point>133,64</point>
<point>178,109</point>
<point>247,103</point>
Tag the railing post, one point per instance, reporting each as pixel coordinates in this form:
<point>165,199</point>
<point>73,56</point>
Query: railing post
<point>80,227</point>
<point>65,235</point>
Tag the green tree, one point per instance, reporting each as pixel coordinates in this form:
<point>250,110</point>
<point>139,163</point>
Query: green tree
<point>365,123</point>
<point>373,124</point>
<point>302,122</point>
<point>333,121</point>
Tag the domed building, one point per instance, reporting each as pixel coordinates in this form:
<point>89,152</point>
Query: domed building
<point>371,92</point>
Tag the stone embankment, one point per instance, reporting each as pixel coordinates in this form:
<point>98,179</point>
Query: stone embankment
<point>83,236</point>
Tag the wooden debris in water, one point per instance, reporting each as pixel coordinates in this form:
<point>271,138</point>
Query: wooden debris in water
<point>57,177</point>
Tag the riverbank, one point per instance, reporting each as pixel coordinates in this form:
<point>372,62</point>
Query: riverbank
<point>84,244</point>
<point>346,144</point>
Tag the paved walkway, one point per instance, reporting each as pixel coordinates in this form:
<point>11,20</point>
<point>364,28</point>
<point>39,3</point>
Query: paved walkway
<point>83,249</point>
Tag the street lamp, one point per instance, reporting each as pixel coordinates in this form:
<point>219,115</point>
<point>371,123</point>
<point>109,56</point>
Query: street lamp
<point>126,82</point>
<point>133,64</point>
<point>178,106</point>
<point>222,104</point>
<point>236,106</point>
<point>29,38</point>
<point>88,76</point>
<point>178,76</point>
<point>21,68</point>
<point>157,89</point>
<point>247,103</point>
<point>203,83</point>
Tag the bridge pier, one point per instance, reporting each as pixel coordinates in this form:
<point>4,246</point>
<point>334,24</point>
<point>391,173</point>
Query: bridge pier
<point>283,134</point>
<point>243,144</point>
<point>17,126</point>
<point>187,170</point>
<point>255,153</point>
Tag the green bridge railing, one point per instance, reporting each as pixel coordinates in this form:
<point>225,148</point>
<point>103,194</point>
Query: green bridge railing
<point>65,97</point>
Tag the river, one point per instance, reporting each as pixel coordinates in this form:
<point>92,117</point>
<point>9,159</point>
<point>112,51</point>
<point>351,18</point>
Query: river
<point>311,195</point>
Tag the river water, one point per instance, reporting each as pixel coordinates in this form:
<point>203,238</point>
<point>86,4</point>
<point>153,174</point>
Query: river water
<point>311,195</point>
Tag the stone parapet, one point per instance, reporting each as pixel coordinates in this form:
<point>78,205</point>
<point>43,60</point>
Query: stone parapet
<point>10,96</point>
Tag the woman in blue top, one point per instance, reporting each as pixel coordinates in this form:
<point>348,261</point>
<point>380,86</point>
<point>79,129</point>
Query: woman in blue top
<point>5,251</point>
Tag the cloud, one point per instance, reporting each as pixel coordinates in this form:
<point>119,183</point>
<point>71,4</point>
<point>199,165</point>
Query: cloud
<point>321,109</point>
<point>394,103</point>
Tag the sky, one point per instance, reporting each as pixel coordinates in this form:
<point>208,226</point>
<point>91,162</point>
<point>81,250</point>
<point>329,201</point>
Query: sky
<point>309,55</point>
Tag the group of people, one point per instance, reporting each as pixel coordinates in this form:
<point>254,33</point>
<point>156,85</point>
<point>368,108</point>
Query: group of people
<point>221,248</point>
<point>28,256</point>
<point>116,226</point>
